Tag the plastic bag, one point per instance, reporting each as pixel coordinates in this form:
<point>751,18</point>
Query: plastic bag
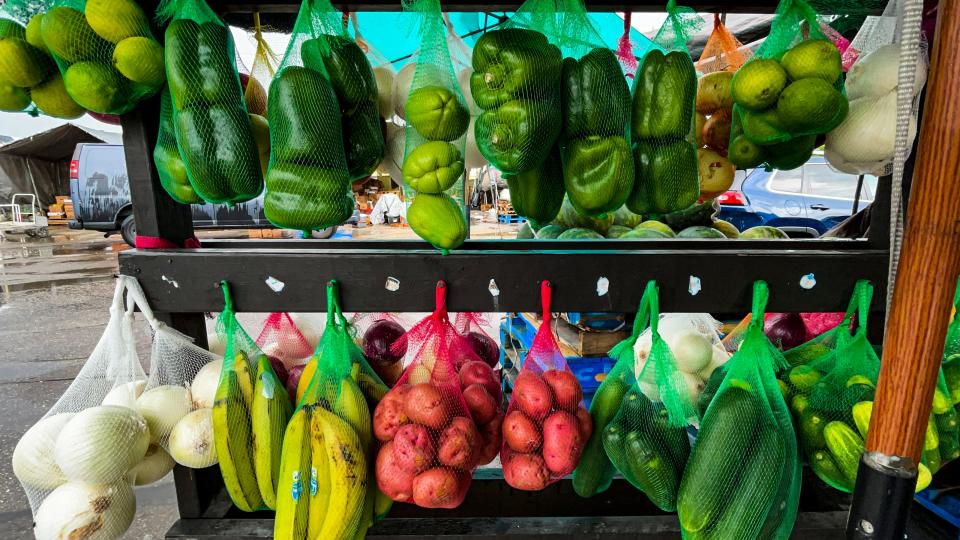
<point>76,463</point>
<point>546,426</point>
<point>326,475</point>
<point>29,78</point>
<point>789,92</point>
<point>663,123</point>
<point>210,120</point>
<point>473,326</point>
<point>250,413</point>
<point>437,119</point>
<point>723,51</point>
<point>376,333</point>
<point>647,439</point>
<point>743,476</point>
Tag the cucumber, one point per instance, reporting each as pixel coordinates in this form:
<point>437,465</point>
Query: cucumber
<point>594,473</point>
<point>811,424</point>
<point>806,353</point>
<point>947,423</point>
<point>648,466</point>
<point>931,458</point>
<point>716,461</point>
<point>803,378</point>
<point>825,468</point>
<point>846,446</point>
<point>924,477</point>
<point>861,416</point>
<point>784,390</point>
<point>799,403</point>
<point>951,374</point>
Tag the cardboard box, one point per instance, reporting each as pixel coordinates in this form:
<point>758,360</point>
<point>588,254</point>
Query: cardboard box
<point>55,209</point>
<point>63,199</point>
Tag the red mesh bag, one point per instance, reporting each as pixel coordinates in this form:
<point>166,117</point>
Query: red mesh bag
<point>431,443</point>
<point>281,340</point>
<point>546,426</point>
<point>375,335</point>
<point>471,326</point>
<point>722,52</point>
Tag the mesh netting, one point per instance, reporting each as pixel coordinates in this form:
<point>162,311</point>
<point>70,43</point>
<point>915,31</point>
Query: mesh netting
<point>789,92</point>
<point>477,327</point>
<point>663,123</point>
<point>723,51</point>
<point>437,119</point>
<point>166,157</point>
<point>647,438</point>
<point>308,183</point>
<point>250,413</point>
<point>743,476</point>
<point>254,85</point>
<point>210,120</point>
<point>951,353</point>
<point>283,343</point>
<point>546,426</point>
<point>375,334</point>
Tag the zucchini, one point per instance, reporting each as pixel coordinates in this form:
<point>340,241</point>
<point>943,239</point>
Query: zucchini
<point>825,468</point>
<point>811,430</point>
<point>675,439</point>
<point>648,466</point>
<point>716,461</point>
<point>710,389</point>
<point>846,447</point>
<point>595,472</point>
<point>861,416</point>
<point>781,516</point>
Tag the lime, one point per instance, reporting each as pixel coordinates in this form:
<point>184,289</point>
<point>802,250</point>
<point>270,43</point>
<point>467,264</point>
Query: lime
<point>790,154</point>
<point>813,58</point>
<point>52,99</point>
<point>13,98</point>
<point>763,127</point>
<point>758,84</point>
<point>808,104</point>
<point>744,153</point>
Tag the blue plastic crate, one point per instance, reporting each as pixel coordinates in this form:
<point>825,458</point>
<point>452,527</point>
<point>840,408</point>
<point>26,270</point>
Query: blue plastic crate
<point>944,504</point>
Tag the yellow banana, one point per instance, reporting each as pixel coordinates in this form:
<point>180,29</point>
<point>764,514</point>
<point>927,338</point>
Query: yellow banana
<point>305,377</point>
<point>241,365</point>
<point>269,416</point>
<point>348,478</point>
<point>319,477</point>
<point>351,406</point>
<point>231,436</point>
<point>372,387</point>
<point>293,488</point>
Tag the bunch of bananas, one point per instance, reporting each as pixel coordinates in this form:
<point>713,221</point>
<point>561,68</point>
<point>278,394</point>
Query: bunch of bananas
<point>327,488</point>
<point>250,414</point>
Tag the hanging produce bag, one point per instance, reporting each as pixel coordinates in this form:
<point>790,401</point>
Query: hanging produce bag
<point>210,120</point>
<point>647,439</point>
<point>471,326</point>
<point>29,78</point>
<point>789,92</point>
<point>78,462</point>
<point>723,51</point>
<point>546,426</point>
<point>743,476</point>
<point>287,350</point>
<point>326,487</point>
<point>437,119</point>
<point>250,413</point>
<point>375,334</point>
<point>663,122</point>
<point>951,353</point>
<point>166,157</point>
<point>254,86</point>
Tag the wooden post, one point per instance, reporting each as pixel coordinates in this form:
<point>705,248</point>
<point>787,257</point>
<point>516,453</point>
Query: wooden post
<point>922,298</point>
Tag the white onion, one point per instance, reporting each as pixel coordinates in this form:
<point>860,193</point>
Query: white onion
<point>692,351</point>
<point>125,395</point>
<point>154,466</point>
<point>81,511</point>
<point>401,88</point>
<point>162,407</point>
<point>216,345</point>
<point>33,460</point>
<point>191,441</point>
<point>203,390</point>
<point>719,358</point>
<point>694,385</point>
<point>101,444</point>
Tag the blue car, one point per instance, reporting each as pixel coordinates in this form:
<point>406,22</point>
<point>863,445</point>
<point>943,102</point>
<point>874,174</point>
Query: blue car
<point>804,202</point>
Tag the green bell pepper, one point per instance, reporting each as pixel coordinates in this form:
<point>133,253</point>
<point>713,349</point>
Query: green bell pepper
<point>166,157</point>
<point>346,64</point>
<point>363,140</point>
<point>596,99</point>
<point>664,94</point>
<point>200,65</point>
<point>433,167</point>
<point>514,63</point>
<point>518,135</point>
<point>598,173</point>
<point>437,113</point>
<point>665,178</point>
<point>537,194</point>
<point>307,197</point>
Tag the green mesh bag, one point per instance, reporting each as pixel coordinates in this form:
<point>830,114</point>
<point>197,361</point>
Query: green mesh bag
<point>790,91</point>
<point>210,120</point>
<point>308,180</point>
<point>326,481</point>
<point>663,124</point>
<point>250,413</point>
<point>742,480</point>
<point>647,439</point>
<point>435,137</point>
<point>29,78</point>
<point>105,51</point>
<point>951,353</point>
<point>166,157</point>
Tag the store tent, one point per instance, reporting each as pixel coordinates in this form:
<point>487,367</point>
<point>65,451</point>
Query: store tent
<point>40,164</point>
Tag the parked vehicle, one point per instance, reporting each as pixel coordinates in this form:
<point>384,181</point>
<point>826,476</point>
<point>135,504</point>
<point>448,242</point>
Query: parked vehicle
<point>803,202</point>
<point>101,198</point>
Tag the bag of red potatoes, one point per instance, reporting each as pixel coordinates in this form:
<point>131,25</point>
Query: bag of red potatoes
<point>546,426</point>
<point>437,424</point>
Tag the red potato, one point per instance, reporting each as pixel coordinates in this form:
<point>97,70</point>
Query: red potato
<point>440,487</point>
<point>526,471</point>
<point>477,372</point>
<point>561,443</point>
<point>567,393</point>
<point>480,403</point>
<point>392,480</point>
<point>492,438</point>
<point>424,404</point>
<point>389,414</point>
<point>460,444</point>
<point>586,424</point>
<point>532,395</point>
<point>520,433</point>
<point>413,449</point>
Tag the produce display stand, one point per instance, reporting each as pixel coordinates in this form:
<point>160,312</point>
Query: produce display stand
<point>714,276</point>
